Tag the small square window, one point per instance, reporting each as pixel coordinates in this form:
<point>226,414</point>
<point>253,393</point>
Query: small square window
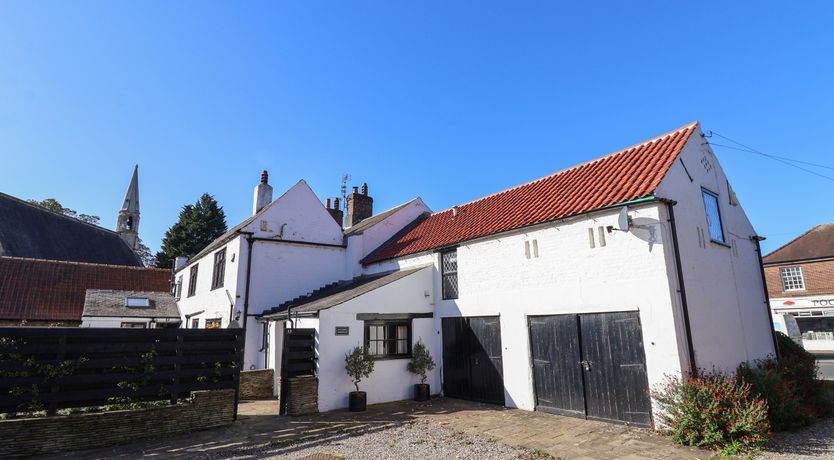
<point>716,231</point>
<point>195,323</point>
<point>388,339</point>
<point>792,279</point>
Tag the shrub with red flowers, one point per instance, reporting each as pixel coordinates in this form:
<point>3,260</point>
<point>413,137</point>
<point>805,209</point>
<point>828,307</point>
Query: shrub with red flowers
<point>713,411</point>
<point>795,397</point>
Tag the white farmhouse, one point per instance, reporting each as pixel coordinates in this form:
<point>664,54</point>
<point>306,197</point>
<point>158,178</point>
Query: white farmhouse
<point>572,294</point>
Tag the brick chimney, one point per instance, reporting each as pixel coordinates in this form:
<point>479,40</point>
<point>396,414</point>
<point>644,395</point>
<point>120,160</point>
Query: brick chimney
<point>359,206</point>
<point>335,212</point>
<point>263,193</point>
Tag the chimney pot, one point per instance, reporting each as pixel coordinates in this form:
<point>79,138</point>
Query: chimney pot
<point>327,203</point>
<point>365,188</point>
<point>355,190</point>
<point>264,177</point>
<point>263,194</point>
<point>335,203</point>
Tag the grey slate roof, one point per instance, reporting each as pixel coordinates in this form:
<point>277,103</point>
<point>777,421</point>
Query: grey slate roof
<point>373,220</point>
<point>105,302</point>
<point>30,231</point>
<point>338,293</point>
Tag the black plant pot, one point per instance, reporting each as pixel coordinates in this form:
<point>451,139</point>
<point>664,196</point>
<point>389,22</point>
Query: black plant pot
<point>357,401</point>
<point>422,392</point>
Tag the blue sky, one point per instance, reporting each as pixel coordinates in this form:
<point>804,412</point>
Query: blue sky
<point>446,100</point>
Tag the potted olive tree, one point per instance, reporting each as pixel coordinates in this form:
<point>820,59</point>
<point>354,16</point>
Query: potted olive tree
<point>421,363</point>
<point>359,364</point>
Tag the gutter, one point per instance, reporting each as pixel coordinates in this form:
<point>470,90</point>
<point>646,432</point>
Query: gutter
<point>758,240</point>
<point>693,367</point>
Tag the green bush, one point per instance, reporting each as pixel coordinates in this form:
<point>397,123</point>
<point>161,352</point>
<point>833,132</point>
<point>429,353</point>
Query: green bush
<point>359,364</point>
<point>710,410</point>
<point>795,397</point>
<point>421,361</point>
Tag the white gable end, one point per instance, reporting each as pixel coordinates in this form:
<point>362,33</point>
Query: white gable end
<point>297,215</point>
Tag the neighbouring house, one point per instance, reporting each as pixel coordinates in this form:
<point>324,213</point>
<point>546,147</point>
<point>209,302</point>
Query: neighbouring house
<point>573,293</point>
<point>51,293</point>
<point>130,309</point>
<point>800,281</point>
<point>30,231</point>
<point>49,260</point>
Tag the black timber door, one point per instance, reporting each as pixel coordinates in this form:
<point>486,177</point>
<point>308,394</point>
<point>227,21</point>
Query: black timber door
<point>557,374</point>
<point>472,359</point>
<point>614,367</point>
<point>591,365</point>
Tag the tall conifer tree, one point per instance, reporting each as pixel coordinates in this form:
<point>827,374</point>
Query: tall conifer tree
<point>199,224</point>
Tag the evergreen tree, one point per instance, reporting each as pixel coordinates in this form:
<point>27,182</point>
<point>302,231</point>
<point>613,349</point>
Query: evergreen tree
<point>199,224</point>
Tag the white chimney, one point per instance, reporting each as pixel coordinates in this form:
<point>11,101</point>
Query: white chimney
<point>180,262</point>
<point>263,193</point>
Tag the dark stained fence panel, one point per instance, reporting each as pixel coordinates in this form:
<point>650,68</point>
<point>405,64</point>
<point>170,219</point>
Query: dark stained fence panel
<point>55,368</point>
<point>557,372</point>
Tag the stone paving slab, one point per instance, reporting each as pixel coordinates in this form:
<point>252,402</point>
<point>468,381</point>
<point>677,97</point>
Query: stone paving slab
<point>259,426</point>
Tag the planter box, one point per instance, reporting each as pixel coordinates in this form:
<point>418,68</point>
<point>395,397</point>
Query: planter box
<point>61,433</point>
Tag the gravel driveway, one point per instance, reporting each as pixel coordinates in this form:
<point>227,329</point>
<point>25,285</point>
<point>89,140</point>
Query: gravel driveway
<point>813,442</point>
<point>421,440</point>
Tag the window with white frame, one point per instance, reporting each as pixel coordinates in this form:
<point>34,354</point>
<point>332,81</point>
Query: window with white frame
<point>792,279</point>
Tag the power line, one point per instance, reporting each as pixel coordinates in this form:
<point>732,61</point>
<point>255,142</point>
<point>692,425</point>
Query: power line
<point>784,160</point>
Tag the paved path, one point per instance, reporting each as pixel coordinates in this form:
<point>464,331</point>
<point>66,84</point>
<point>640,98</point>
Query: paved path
<point>258,429</point>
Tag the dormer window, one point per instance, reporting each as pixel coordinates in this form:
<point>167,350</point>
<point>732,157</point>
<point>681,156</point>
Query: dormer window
<point>138,302</point>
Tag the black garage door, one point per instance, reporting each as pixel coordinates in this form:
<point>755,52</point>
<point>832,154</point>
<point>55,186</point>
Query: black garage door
<point>591,365</point>
<point>472,366</point>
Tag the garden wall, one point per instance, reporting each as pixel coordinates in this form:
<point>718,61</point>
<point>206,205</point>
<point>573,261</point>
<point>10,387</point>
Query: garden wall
<point>44,435</point>
<point>256,384</point>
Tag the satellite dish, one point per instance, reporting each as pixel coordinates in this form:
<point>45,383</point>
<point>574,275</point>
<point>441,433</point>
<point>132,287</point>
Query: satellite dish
<point>624,222</point>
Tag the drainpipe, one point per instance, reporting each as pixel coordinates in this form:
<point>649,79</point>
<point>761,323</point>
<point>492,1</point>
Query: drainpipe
<point>693,367</point>
<point>251,243</point>
<point>758,240</point>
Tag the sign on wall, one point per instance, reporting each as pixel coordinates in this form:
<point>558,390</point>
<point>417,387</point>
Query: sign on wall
<point>342,330</point>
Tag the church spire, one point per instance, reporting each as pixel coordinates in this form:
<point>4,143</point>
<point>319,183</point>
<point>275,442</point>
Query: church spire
<point>127,225</point>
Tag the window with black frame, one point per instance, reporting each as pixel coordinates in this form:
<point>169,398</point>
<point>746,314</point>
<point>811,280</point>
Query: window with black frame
<point>388,339</point>
<point>192,281</point>
<point>219,269</point>
<point>716,230</point>
<point>449,273</point>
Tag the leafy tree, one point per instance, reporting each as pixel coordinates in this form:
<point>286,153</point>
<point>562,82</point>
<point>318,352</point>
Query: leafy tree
<point>53,205</point>
<point>199,224</point>
<point>421,361</point>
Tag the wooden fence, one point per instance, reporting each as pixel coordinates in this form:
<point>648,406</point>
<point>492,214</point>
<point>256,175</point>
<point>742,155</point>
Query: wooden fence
<point>56,368</point>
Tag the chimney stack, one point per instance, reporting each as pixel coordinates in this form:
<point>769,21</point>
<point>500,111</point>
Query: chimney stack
<point>263,193</point>
<point>335,212</point>
<point>359,206</point>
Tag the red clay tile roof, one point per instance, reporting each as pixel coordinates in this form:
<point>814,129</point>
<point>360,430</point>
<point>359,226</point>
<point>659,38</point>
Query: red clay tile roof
<point>622,176</point>
<point>816,243</point>
<point>35,289</point>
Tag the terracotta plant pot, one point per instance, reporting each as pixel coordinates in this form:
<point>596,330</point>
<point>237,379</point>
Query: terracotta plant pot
<point>357,401</point>
<point>422,392</point>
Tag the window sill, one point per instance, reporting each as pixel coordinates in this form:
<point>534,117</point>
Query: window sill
<point>719,243</point>
<point>216,287</point>
<point>391,358</point>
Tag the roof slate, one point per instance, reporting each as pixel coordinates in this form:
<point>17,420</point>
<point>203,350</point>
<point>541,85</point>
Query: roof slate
<point>333,294</point>
<point>629,174</point>
<point>33,289</point>
<point>816,243</point>
<point>30,231</point>
<point>109,302</point>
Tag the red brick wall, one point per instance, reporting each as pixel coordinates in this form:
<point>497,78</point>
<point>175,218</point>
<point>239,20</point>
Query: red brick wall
<point>818,276</point>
